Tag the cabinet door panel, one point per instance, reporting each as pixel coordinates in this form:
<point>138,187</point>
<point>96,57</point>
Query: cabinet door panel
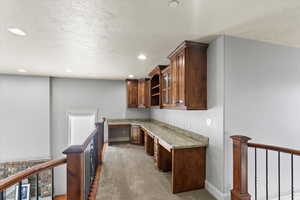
<point>166,87</point>
<point>174,80</point>
<point>135,135</point>
<point>147,94</point>
<point>170,87</point>
<point>141,93</point>
<point>132,93</point>
<point>181,78</point>
<point>164,90</point>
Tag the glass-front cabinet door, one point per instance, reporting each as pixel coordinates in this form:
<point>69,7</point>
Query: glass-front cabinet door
<point>166,87</point>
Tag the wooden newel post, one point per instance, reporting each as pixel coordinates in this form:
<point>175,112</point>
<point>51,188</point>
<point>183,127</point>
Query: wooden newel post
<point>240,168</point>
<point>75,172</point>
<point>100,139</point>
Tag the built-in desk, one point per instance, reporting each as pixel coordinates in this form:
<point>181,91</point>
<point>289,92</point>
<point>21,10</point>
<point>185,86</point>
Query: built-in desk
<point>183,152</point>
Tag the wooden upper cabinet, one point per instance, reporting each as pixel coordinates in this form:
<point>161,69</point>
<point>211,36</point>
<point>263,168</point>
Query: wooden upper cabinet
<point>144,93</point>
<point>155,85</point>
<point>182,85</point>
<point>132,93</point>
<point>189,76</point>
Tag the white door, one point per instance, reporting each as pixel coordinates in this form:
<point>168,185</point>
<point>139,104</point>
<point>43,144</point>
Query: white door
<point>80,127</point>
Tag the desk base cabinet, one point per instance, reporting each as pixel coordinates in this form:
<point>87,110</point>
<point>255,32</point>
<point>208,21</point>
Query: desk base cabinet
<point>156,149</point>
<point>136,135</point>
<point>164,159</point>
<point>188,169</point>
<point>149,144</point>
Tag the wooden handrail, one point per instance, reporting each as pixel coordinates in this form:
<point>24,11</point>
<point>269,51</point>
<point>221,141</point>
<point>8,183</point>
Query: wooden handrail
<point>81,148</point>
<point>9,181</point>
<point>77,172</point>
<point>240,165</point>
<point>274,148</point>
<point>91,136</point>
<point>88,139</point>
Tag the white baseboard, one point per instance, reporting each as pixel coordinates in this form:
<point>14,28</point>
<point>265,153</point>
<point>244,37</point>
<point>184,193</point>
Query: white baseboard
<point>226,196</point>
<point>216,192</point>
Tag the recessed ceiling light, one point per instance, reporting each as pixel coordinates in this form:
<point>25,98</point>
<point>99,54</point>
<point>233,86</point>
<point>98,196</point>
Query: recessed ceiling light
<point>68,70</point>
<point>17,31</point>
<point>22,70</point>
<point>173,3</point>
<point>142,57</point>
<point>131,76</point>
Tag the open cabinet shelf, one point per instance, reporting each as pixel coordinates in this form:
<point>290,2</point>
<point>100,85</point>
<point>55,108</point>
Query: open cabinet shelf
<point>155,82</point>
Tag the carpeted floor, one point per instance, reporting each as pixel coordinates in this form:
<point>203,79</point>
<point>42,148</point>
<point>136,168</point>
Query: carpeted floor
<point>129,173</point>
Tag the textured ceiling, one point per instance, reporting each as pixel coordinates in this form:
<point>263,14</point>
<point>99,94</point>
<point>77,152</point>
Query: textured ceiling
<point>102,38</point>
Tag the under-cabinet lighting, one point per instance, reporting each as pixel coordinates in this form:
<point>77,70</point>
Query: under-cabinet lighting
<point>131,76</point>
<point>68,70</point>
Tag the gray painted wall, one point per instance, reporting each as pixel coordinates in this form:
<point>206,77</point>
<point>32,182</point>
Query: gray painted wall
<point>262,101</point>
<point>28,104</point>
<point>24,118</point>
<point>83,94</point>
<point>109,96</point>
<point>209,122</point>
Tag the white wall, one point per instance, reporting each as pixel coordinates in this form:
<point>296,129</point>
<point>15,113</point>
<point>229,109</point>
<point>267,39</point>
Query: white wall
<point>109,96</point>
<point>262,101</point>
<point>24,118</point>
<point>198,121</point>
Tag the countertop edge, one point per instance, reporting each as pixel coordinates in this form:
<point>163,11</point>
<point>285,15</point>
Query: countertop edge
<point>171,146</point>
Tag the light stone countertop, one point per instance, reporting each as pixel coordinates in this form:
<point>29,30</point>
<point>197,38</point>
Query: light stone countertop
<point>174,137</point>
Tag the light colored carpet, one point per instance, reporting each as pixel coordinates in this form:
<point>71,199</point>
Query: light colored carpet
<point>128,173</point>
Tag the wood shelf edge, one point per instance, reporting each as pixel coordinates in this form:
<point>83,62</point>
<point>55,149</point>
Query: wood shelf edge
<point>156,86</point>
<point>156,94</point>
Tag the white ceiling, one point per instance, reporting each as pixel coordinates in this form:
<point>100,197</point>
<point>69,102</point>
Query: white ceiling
<point>102,38</point>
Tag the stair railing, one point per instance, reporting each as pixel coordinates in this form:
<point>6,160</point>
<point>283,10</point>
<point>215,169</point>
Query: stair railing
<point>83,169</point>
<point>32,171</point>
<point>83,165</point>
<point>240,167</point>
